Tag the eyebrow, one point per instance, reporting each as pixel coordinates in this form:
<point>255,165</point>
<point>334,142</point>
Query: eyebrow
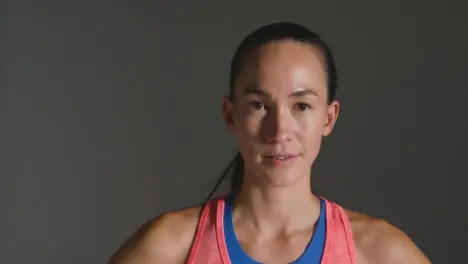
<point>299,93</point>
<point>303,92</point>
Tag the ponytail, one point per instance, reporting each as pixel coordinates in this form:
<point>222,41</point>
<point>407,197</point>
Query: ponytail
<point>237,167</point>
<point>237,176</point>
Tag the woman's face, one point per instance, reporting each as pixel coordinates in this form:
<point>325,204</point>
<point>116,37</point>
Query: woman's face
<point>280,111</point>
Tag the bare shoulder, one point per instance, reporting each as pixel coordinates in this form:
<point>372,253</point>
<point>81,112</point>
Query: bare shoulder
<point>165,239</point>
<point>377,241</point>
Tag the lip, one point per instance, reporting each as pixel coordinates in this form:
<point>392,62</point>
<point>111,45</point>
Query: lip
<point>280,158</point>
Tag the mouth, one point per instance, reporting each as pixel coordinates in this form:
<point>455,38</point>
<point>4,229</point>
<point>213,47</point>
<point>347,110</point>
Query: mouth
<point>280,158</point>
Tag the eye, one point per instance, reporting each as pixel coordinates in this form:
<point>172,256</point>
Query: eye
<point>256,105</point>
<point>302,106</point>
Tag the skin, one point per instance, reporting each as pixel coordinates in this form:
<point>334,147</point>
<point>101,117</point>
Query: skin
<point>280,105</point>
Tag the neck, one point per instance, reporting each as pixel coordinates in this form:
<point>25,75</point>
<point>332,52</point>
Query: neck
<point>277,210</point>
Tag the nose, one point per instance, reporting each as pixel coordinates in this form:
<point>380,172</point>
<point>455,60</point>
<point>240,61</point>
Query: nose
<point>277,126</point>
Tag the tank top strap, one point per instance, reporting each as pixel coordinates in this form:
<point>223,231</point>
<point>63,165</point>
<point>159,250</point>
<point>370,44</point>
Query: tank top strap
<point>206,245</point>
<point>339,244</point>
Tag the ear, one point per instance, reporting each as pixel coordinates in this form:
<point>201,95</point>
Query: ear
<point>330,119</point>
<point>228,109</point>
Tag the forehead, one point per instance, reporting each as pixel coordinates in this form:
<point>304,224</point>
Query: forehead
<point>281,67</point>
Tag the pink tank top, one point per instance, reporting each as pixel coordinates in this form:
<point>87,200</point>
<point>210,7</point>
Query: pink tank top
<point>209,246</point>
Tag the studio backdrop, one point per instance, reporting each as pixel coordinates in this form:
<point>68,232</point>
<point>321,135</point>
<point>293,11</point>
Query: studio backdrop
<point>111,115</point>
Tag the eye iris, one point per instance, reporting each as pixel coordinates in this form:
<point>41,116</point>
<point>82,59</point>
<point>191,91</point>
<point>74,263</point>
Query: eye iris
<point>257,105</point>
<point>302,106</point>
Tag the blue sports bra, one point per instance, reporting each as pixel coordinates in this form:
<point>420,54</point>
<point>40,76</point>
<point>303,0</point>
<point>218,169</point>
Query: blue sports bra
<point>312,254</point>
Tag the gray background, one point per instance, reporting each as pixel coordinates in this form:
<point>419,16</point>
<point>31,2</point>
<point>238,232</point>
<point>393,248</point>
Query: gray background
<point>111,114</point>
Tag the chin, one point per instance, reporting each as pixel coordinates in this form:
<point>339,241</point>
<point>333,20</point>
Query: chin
<point>283,177</point>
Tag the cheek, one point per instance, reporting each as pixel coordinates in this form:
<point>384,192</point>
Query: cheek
<point>246,129</point>
<point>253,126</point>
<point>311,126</point>
<point>248,125</point>
<point>309,133</point>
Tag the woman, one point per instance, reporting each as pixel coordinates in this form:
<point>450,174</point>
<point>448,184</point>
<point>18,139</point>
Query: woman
<point>282,102</point>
